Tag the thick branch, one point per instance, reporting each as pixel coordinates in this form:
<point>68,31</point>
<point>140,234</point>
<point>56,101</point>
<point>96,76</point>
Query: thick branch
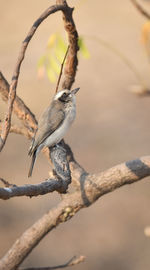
<point>58,156</point>
<point>71,60</point>
<point>29,190</point>
<point>92,187</point>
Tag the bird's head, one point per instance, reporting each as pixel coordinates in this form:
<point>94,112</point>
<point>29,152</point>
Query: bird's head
<point>66,95</point>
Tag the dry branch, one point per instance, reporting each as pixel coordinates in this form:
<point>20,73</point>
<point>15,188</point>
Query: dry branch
<point>70,69</point>
<point>71,60</point>
<point>19,108</point>
<point>71,262</point>
<point>141,9</point>
<point>25,114</point>
<point>61,69</point>
<point>92,187</point>
<point>13,85</point>
<point>60,184</point>
<point>29,190</point>
<point>6,183</point>
<point>19,130</point>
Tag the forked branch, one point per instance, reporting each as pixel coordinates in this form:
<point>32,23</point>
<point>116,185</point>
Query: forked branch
<point>71,62</point>
<point>92,187</point>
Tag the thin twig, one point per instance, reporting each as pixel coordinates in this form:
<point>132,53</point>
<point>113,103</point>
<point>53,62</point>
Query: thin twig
<point>121,55</point>
<point>73,261</point>
<point>6,183</point>
<point>14,82</point>
<point>141,9</point>
<point>61,69</point>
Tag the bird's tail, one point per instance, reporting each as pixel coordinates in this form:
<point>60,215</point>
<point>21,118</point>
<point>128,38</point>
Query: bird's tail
<point>32,163</point>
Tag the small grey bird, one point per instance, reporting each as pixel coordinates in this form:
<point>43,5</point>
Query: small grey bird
<point>54,123</point>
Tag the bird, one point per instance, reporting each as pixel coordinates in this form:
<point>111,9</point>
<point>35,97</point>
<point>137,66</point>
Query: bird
<point>53,123</point>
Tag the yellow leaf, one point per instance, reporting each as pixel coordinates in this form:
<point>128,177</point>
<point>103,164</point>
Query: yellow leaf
<point>83,49</point>
<point>54,63</point>
<point>41,61</point>
<point>59,54</point>
<point>146,32</point>
<point>61,45</point>
<point>51,75</point>
<point>51,41</point>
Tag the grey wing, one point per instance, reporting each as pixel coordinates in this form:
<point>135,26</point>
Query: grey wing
<point>50,120</point>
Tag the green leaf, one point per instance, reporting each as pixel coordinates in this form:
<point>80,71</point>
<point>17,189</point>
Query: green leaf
<point>53,63</point>
<point>59,55</point>
<point>51,74</point>
<point>51,41</point>
<point>54,55</point>
<point>61,44</point>
<point>41,61</point>
<point>83,49</point>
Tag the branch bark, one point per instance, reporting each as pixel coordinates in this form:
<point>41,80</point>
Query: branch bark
<point>19,108</point>
<point>20,130</point>
<point>72,60</point>
<point>13,85</point>
<point>70,69</point>
<point>30,190</point>
<point>71,262</point>
<point>92,187</point>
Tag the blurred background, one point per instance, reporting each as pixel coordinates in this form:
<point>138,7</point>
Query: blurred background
<point>112,126</point>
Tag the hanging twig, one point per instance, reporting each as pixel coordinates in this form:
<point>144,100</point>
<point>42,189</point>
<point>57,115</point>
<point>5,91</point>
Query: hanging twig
<point>6,183</point>
<point>73,261</point>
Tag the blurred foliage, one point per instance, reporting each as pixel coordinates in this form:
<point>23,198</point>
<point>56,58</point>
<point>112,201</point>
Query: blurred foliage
<point>53,57</point>
<point>146,37</point>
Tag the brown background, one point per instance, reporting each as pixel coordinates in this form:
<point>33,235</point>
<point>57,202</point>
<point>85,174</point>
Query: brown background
<point>112,126</point>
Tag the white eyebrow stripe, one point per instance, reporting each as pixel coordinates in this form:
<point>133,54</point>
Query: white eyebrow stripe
<point>59,94</point>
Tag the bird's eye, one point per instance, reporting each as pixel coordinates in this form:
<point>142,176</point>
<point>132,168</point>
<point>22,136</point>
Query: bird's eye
<point>64,95</point>
<point>63,98</point>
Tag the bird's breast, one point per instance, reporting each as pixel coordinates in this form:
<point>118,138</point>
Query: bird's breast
<point>71,113</point>
<point>59,133</point>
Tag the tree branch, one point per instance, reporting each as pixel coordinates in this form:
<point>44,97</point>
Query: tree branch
<point>29,190</point>
<point>20,131</point>
<point>141,9</point>
<point>19,108</point>
<point>73,261</point>
<point>71,60</point>
<point>61,69</point>
<point>70,68</point>
<point>6,183</point>
<point>13,85</point>
<point>92,187</point>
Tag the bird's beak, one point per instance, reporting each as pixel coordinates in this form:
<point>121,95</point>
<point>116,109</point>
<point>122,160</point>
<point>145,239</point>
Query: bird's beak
<point>74,91</point>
